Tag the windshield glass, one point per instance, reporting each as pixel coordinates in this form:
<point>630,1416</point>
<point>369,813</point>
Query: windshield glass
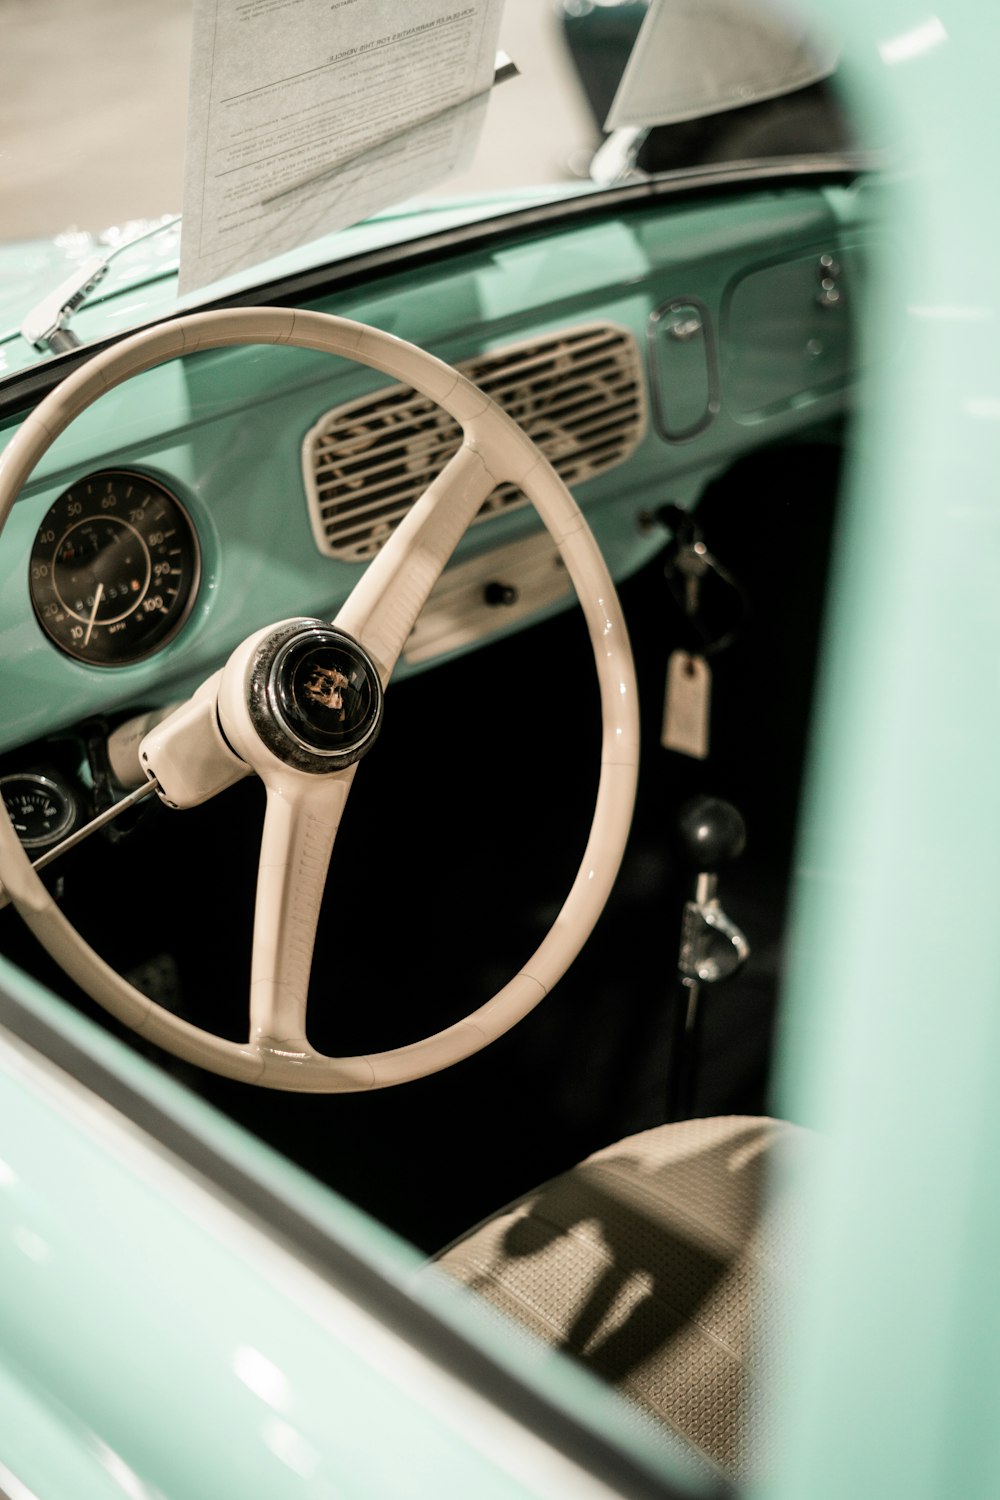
<point>704,85</point>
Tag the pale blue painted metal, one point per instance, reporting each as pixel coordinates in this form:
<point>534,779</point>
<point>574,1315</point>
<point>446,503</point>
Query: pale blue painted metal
<point>156,1340</point>
<point>891,1028</point>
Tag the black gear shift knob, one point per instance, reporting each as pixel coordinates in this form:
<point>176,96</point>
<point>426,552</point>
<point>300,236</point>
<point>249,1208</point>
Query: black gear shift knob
<point>711,832</point>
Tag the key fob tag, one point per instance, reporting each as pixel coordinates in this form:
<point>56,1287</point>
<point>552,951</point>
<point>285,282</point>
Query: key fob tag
<point>687,705</point>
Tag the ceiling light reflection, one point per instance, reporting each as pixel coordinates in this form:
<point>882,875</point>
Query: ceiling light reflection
<point>916,42</point>
<point>262,1376</point>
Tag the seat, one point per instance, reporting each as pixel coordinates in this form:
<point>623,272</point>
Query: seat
<point>663,1265</point>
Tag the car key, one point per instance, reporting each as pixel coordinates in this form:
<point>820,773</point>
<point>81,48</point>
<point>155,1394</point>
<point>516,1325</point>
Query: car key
<point>686,721</point>
<point>688,695</point>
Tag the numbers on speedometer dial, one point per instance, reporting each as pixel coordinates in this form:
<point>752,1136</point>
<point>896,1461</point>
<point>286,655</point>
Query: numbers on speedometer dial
<point>114,568</point>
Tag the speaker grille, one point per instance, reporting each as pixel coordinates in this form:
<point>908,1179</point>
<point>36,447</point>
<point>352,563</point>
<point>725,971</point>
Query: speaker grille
<point>579,394</point>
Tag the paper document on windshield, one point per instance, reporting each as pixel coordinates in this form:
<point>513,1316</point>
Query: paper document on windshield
<point>306,116</point>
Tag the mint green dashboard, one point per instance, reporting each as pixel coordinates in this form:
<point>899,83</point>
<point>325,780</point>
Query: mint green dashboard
<point>645,349</point>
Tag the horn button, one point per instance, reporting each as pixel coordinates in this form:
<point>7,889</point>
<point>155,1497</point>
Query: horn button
<point>315,696</point>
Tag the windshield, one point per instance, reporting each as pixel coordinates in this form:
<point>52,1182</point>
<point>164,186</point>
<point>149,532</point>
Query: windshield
<point>598,95</point>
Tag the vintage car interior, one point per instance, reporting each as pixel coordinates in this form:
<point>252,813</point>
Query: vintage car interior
<point>217,484</point>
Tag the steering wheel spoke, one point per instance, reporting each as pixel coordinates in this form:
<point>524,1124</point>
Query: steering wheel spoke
<point>383,606</point>
<point>301,819</point>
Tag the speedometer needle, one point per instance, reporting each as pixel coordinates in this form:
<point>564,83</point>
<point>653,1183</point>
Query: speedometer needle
<point>93,613</point>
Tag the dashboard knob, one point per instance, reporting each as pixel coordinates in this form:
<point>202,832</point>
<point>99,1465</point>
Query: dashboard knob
<point>711,832</point>
<point>500,594</point>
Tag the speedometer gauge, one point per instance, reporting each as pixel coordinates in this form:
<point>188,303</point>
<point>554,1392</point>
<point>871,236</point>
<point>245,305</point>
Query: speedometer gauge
<point>114,568</point>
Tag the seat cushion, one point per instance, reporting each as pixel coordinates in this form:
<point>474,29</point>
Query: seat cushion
<point>661,1264</point>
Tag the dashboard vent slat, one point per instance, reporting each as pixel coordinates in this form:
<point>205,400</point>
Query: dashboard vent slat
<point>578,393</point>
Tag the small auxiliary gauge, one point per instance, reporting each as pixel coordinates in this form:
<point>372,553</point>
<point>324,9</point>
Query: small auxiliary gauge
<point>114,568</point>
<point>42,808</point>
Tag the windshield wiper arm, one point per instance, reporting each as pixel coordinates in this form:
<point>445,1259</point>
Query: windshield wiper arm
<point>46,326</point>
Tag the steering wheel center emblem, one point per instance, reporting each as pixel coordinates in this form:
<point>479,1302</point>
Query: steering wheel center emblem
<point>316,697</point>
<point>326,686</point>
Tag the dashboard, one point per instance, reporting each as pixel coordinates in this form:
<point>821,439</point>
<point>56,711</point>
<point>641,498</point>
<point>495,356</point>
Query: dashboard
<point>645,350</point>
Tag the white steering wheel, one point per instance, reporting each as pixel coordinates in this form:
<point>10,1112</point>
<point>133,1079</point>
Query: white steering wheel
<point>300,701</point>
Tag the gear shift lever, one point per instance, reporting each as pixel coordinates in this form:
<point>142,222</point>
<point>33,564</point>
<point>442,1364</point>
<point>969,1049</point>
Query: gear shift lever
<point>711,832</point>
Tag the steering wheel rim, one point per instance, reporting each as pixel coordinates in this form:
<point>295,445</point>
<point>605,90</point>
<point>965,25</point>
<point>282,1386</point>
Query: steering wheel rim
<point>378,616</point>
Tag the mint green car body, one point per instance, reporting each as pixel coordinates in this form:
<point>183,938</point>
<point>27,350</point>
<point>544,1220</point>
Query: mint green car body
<point>117,1256</point>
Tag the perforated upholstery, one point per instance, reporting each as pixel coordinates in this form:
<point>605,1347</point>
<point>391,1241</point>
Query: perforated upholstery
<point>662,1265</point>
